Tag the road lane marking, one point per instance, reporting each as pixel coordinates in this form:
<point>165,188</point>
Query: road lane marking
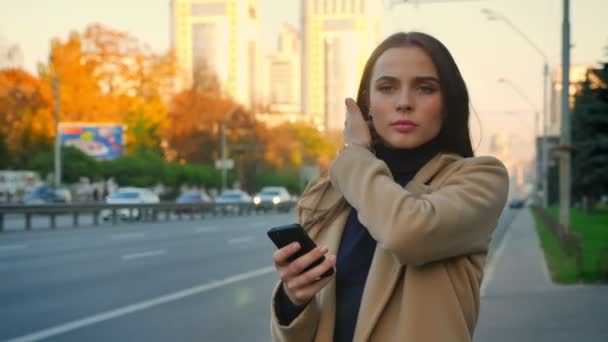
<point>127,236</point>
<point>489,269</point>
<point>242,239</point>
<point>12,248</point>
<point>104,316</point>
<point>144,254</point>
<point>206,229</point>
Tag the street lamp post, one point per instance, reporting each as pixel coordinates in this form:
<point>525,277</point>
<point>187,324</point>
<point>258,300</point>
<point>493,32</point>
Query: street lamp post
<point>223,146</point>
<point>57,145</point>
<point>493,15</point>
<point>564,163</point>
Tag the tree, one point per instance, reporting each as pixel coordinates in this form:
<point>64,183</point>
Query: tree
<point>296,144</point>
<point>74,162</point>
<point>590,136</point>
<point>26,122</point>
<point>107,75</point>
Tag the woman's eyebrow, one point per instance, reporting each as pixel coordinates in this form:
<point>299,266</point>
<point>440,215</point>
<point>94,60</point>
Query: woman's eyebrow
<point>417,79</point>
<point>387,79</point>
<point>421,79</point>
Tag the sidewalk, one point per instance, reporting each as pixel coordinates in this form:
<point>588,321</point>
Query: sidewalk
<point>520,303</point>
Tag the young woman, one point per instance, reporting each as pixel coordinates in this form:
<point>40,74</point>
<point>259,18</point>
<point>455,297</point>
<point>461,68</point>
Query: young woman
<point>405,214</point>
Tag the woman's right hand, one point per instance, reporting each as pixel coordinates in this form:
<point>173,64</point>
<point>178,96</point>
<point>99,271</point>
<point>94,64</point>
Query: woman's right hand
<point>300,287</point>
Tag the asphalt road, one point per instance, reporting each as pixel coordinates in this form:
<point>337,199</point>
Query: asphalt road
<point>204,280</point>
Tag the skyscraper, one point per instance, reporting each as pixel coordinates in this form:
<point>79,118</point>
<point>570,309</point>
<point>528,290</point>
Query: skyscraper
<point>283,73</point>
<point>337,36</point>
<point>221,36</point>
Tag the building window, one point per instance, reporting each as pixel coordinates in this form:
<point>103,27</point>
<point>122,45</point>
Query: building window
<point>208,8</point>
<point>204,46</point>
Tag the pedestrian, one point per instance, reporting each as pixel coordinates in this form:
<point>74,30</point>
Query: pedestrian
<point>405,212</point>
<point>104,192</point>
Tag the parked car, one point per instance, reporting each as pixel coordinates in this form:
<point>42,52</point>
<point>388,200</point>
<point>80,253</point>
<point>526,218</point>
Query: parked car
<point>129,195</point>
<point>192,198</point>
<point>232,201</point>
<point>272,197</point>
<point>46,194</point>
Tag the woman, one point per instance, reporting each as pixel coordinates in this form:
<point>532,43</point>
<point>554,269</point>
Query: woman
<point>405,214</point>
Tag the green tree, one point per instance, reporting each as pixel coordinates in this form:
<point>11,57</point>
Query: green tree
<point>74,164</point>
<point>590,136</point>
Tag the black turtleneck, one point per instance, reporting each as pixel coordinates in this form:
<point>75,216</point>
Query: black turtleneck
<point>357,245</point>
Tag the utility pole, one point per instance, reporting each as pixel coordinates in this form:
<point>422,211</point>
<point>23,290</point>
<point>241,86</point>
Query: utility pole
<point>564,165</point>
<point>57,154</point>
<point>223,155</point>
<point>544,149</point>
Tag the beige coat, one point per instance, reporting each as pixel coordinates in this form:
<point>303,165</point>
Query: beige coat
<point>432,240</point>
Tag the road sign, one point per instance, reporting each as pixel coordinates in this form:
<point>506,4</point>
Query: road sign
<point>225,164</point>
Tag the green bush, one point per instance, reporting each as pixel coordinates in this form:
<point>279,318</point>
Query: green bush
<point>74,164</point>
<point>272,177</point>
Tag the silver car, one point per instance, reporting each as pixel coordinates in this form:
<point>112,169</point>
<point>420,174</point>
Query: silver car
<point>129,195</point>
<point>233,201</point>
<point>273,197</point>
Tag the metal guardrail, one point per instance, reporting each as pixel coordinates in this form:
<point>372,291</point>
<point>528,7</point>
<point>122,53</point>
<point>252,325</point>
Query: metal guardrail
<point>132,212</point>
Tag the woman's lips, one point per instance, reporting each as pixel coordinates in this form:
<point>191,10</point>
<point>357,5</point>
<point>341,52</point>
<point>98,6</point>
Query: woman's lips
<point>404,126</point>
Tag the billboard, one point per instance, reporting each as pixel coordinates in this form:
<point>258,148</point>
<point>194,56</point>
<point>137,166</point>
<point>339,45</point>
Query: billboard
<point>99,140</point>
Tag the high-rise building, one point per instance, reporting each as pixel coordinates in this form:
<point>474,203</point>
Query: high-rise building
<point>283,73</point>
<point>337,37</point>
<point>221,36</point>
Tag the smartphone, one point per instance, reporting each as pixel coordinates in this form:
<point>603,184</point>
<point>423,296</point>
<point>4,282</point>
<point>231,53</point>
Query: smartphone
<point>286,234</point>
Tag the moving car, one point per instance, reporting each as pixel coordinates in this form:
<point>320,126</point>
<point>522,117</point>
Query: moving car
<point>192,197</point>
<point>272,197</point>
<point>129,195</point>
<point>46,194</point>
<point>232,201</point>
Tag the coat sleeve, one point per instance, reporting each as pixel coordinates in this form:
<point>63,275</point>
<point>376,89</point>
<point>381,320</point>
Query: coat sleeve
<point>302,329</point>
<point>456,219</point>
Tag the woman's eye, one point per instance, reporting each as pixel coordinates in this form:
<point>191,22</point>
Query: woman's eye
<point>386,89</point>
<point>426,89</point>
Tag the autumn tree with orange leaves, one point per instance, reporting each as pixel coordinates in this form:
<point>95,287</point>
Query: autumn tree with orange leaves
<point>106,75</point>
<point>26,121</point>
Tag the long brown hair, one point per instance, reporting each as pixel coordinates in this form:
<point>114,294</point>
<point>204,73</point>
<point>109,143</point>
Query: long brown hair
<point>454,136</point>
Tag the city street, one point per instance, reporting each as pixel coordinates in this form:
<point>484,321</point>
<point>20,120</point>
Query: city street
<point>198,280</point>
<point>190,281</point>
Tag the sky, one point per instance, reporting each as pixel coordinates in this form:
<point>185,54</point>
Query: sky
<point>484,50</point>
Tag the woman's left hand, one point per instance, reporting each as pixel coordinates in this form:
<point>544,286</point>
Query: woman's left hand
<point>356,129</point>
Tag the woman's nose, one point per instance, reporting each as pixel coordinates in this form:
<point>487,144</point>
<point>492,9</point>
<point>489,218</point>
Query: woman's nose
<point>404,102</point>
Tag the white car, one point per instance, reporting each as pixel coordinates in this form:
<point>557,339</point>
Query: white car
<point>130,195</point>
<point>271,197</point>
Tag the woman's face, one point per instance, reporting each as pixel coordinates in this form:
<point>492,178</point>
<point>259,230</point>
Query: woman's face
<point>405,98</point>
